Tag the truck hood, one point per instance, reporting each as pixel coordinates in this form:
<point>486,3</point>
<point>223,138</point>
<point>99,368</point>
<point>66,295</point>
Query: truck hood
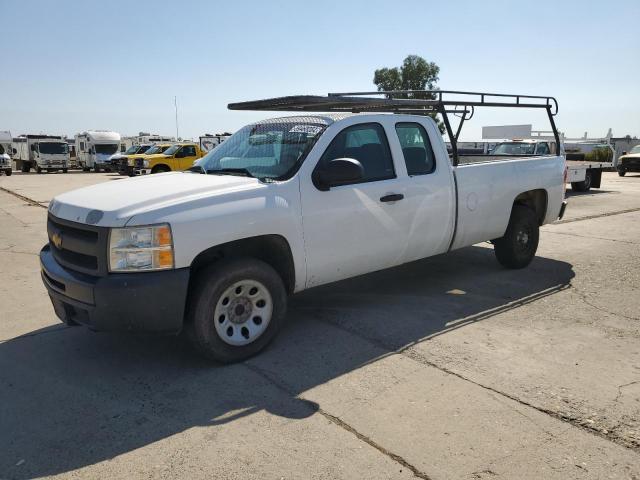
<point>113,203</point>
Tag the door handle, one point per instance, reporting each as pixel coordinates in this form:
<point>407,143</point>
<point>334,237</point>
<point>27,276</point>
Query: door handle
<point>392,197</point>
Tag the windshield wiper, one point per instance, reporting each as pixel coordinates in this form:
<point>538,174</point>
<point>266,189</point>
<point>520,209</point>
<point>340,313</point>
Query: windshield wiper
<point>243,172</point>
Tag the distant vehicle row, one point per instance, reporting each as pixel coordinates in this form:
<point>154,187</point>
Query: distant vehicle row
<point>99,150</point>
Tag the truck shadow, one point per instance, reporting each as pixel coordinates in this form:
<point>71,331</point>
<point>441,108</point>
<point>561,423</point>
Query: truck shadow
<point>71,398</point>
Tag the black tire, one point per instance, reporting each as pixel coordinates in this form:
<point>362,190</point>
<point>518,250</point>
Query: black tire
<point>86,169</point>
<point>8,172</point>
<point>65,170</point>
<point>38,169</point>
<point>585,185</point>
<point>160,169</point>
<point>209,286</point>
<point>519,244</point>
<point>96,168</point>
<point>24,168</point>
<point>622,173</point>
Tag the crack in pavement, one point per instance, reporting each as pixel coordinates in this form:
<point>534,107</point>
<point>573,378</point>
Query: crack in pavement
<point>336,421</point>
<point>597,215</point>
<point>591,237</point>
<point>410,352</point>
<point>30,201</point>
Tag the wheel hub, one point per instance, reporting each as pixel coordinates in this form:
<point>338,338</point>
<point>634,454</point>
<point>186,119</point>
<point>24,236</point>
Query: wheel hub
<point>240,310</point>
<point>243,312</point>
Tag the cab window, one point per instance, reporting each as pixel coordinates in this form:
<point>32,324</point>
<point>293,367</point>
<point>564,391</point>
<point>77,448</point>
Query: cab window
<point>366,143</point>
<point>189,151</point>
<point>416,148</point>
<point>543,148</point>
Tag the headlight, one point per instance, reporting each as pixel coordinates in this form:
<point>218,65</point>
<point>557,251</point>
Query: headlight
<point>145,163</point>
<point>141,248</point>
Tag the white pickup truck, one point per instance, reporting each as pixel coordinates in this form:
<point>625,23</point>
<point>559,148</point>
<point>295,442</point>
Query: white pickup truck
<point>283,205</point>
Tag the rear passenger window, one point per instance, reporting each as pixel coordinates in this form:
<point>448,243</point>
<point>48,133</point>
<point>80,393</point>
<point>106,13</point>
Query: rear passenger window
<point>416,148</point>
<point>366,143</point>
<point>543,149</point>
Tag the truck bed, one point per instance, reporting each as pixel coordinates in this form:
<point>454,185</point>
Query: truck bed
<point>488,186</point>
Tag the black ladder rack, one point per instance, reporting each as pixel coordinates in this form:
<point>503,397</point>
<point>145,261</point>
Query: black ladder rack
<point>443,102</point>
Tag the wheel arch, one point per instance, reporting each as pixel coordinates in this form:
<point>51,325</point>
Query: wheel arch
<point>272,249</point>
<point>537,200</point>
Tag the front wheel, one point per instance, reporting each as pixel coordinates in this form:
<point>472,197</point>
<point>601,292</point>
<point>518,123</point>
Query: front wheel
<point>622,173</point>
<point>38,169</point>
<point>8,173</point>
<point>65,170</point>
<point>519,244</point>
<point>238,306</point>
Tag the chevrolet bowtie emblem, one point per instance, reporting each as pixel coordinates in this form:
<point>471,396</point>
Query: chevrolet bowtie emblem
<point>56,239</point>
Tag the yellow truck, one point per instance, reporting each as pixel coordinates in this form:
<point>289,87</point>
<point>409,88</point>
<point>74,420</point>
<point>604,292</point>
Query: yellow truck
<point>132,163</point>
<point>179,156</point>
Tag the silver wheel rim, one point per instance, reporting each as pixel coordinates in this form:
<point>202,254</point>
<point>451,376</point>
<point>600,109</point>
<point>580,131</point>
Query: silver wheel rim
<point>243,312</point>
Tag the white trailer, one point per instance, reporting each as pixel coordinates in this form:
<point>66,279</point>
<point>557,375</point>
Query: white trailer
<point>586,158</point>
<point>6,149</point>
<point>208,142</point>
<point>95,148</point>
<point>41,153</point>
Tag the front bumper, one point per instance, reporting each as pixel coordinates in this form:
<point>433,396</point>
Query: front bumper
<point>148,302</point>
<point>629,165</point>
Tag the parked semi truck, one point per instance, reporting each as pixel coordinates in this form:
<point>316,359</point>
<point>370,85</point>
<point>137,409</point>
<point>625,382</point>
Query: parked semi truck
<point>283,205</point>
<point>6,151</point>
<point>95,148</point>
<point>41,153</point>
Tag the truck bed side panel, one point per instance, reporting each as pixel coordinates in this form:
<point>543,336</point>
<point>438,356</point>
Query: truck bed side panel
<point>486,192</point>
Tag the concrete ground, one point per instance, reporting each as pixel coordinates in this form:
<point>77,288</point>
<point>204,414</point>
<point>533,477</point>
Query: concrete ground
<point>446,368</point>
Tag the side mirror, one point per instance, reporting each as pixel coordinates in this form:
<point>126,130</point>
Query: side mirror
<point>340,171</point>
<point>624,153</point>
<point>14,151</point>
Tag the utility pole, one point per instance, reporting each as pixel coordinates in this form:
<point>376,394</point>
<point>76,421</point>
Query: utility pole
<point>175,103</point>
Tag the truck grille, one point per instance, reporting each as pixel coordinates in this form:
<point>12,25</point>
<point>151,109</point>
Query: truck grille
<point>78,246</point>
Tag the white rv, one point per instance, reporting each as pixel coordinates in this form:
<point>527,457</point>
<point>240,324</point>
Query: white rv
<point>41,152</point>
<point>95,148</point>
<point>5,152</point>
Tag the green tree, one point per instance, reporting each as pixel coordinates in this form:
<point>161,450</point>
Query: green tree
<point>414,74</point>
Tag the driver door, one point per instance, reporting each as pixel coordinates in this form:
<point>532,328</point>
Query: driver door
<point>354,229</point>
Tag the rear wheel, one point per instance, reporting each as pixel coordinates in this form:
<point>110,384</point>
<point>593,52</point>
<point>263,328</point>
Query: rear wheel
<point>8,172</point>
<point>519,244</point>
<point>24,168</point>
<point>38,169</point>
<point>585,185</point>
<point>64,170</point>
<point>621,172</point>
<point>238,306</point>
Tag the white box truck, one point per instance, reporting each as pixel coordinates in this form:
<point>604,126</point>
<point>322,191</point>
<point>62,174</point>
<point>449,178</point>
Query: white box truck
<point>6,150</point>
<point>41,153</point>
<point>95,148</point>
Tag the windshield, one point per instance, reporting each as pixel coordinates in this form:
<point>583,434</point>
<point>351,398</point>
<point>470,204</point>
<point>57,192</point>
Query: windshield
<point>635,149</point>
<point>171,150</point>
<point>156,149</point>
<point>131,149</point>
<point>108,148</point>
<point>53,148</point>
<point>513,148</point>
<point>267,150</point>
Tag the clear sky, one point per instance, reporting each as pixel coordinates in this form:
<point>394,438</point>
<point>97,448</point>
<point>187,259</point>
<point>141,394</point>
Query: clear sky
<point>72,66</point>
